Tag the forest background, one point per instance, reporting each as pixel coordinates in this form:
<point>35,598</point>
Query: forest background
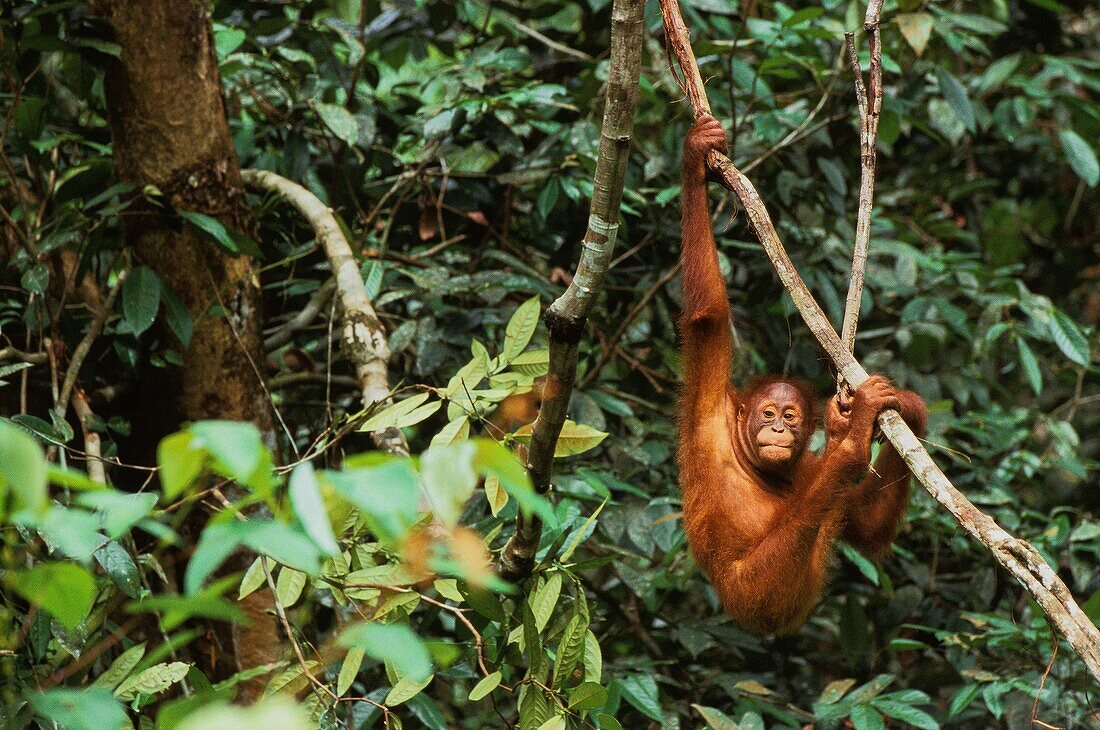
<point>456,142</point>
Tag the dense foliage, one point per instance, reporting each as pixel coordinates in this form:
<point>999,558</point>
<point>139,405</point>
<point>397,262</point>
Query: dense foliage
<point>457,142</point>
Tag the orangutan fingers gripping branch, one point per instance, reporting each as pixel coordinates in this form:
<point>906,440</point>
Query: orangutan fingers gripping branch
<point>762,512</point>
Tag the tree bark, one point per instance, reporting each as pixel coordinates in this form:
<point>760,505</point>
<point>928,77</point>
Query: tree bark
<point>168,124</point>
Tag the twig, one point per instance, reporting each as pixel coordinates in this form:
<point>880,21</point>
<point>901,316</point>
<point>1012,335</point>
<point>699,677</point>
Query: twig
<point>1017,556</point>
<point>1043,680</point>
<point>85,345</point>
<point>869,102</point>
<point>302,319</point>
<point>364,336</point>
<point>12,354</point>
<point>93,452</point>
<point>566,317</point>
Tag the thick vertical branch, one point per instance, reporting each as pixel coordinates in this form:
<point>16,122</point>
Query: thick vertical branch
<point>566,316</point>
<point>364,337</point>
<point>870,106</point>
<point>1017,556</point>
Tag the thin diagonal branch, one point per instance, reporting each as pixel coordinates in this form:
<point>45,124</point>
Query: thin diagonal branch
<point>1017,556</point>
<point>566,317</point>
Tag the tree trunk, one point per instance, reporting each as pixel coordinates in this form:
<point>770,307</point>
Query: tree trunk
<point>169,130</point>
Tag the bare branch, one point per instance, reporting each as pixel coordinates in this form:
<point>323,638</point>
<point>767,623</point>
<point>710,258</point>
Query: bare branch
<point>869,103</point>
<point>566,317</point>
<point>1017,556</point>
<point>364,337</point>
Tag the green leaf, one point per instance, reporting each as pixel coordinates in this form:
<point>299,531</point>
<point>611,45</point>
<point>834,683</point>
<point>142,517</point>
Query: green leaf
<point>289,585</point>
<point>535,363</point>
<point>65,590</point>
<point>575,438</point>
<point>237,446</point>
<point>340,121</point>
<point>309,506</point>
<point>521,328</point>
<point>906,713</point>
<point>120,668</point>
<point>408,412</point>
<point>255,577</point>
<point>570,650</point>
<point>545,599</point>
<point>587,696</point>
<point>865,717</point>
<point>276,540</point>
<point>232,241</point>
<point>22,469</point>
<point>955,96</point>
<point>455,431</point>
<point>180,458</point>
<point>1030,365</point>
<point>492,459</point>
<point>387,495</point>
<point>153,680</point>
<point>866,567</point>
<point>140,298</point>
<point>79,709</point>
<point>485,686</point>
<point>1069,338</point>
<point>118,511</point>
<point>120,567</point>
<point>640,690</point>
<point>405,689</point>
<point>395,644</point>
<point>835,690</point>
<point>349,670</point>
<point>1081,156</point>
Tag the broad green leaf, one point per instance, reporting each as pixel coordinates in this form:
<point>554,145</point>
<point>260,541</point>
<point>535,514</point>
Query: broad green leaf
<point>22,469</point>
<point>309,506</point>
<point>1069,338</point>
<point>118,511</point>
<point>79,709</point>
<point>180,458</point>
<point>267,714</point>
<point>65,590</point>
<point>448,588</point>
<point>640,690</point>
<point>274,539</point>
<point>449,479</point>
<point>237,446</point>
<point>581,534</point>
<point>593,658</point>
<point>1030,365</point>
<point>405,689</point>
<point>494,459</point>
<point>485,686</point>
<point>289,585</point>
<point>865,717</point>
<point>906,713</point>
<point>120,567</point>
<point>455,431</point>
<point>387,495</point>
<point>545,599</point>
<point>575,438</point>
<point>120,668</point>
<point>232,241</point>
<point>570,650</point>
<point>397,415</point>
<point>521,328</point>
<point>752,687</point>
<point>340,121</point>
<point>255,577</point>
<point>349,670</point>
<point>292,680</point>
<point>955,96</point>
<point>587,696</point>
<point>1081,156</point>
<point>469,375</point>
<point>153,680</point>
<point>395,644</point>
<point>140,298</point>
<point>869,569</point>
<point>535,363</point>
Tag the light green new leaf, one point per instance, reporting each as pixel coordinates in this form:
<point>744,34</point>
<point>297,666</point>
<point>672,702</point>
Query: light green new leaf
<point>520,330</point>
<point>289,585</point>
<point>79,709</point>
<point>120,668</point>
<point>153,680</point>
<point>395,644</point>
<point>22,469</point>
<point>716,719</point>
<point>405,689</point>
<point>399,414</point>
<point>485,686</point>
<point>65,590</point>
<point>349,670</point>
<point>309,506</point>
<point>544,599</point>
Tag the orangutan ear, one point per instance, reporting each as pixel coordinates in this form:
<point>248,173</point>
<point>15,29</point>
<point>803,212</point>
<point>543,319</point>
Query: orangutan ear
<point>741,412</point>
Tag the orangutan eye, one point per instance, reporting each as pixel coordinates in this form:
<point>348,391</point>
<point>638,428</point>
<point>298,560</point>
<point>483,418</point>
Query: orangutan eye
<point>769,414</point>
<point>789,416</point>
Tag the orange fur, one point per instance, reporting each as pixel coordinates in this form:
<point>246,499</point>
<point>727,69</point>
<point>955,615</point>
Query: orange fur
<point>763,527</point>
